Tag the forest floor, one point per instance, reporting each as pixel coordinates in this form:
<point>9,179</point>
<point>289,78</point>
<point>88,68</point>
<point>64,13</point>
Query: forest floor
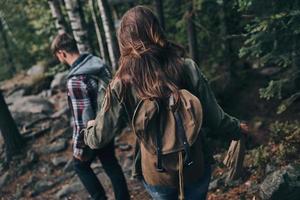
<point>44,169</point>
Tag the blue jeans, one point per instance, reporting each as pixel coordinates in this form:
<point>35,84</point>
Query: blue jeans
<point>112,168</point>
<point>191,192</point>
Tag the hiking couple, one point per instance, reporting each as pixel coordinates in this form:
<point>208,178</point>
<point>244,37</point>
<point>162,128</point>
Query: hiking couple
<point>161,95</point>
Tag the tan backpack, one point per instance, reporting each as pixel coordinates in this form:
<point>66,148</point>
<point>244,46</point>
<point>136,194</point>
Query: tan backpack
<point>169,136</point>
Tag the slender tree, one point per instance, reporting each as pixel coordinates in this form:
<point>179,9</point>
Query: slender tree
<point>103,53</point>
<point>230,24</point>
<point>57,15</point>
<point>10,61</point>
<point>77,25</point>
<point>191,32</point>
<point>12,138</point>
<point>160,12</point>
<point>109,30</point>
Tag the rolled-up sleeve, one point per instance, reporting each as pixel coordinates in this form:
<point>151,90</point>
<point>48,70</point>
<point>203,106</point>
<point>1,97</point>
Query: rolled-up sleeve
<point>108,123</point>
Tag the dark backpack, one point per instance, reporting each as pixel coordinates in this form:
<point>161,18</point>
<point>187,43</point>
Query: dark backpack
<point>168,133</point>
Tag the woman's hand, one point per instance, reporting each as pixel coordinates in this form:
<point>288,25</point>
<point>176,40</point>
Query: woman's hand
<point>256,136</point>
<point>91,123</point>
<point>244,128</point>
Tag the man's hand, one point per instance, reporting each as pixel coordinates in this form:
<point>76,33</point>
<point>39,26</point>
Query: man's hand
<point>91,123</point>
<point>81,157</point>
<point>86,155</point>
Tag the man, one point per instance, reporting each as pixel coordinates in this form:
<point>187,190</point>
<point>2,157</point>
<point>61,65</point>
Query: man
<point>86,76</point>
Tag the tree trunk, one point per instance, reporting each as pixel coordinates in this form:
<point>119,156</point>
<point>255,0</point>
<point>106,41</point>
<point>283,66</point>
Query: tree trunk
<point>192,35</point>
<point>57,16</point>
<point>160,12</point>
<point>10,61</point>
<point>109,30</point>
<point>77,25</point>
<point>97,29</point>
<point>12,138</point>
<point>230,24</point>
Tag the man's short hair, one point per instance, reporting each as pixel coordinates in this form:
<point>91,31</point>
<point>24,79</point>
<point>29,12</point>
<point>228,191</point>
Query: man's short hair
<point>64,42</point>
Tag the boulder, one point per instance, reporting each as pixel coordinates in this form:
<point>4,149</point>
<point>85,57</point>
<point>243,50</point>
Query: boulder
<point>41,186</point>
<point>69,166</point>
<point>36,70</point>
<point>283,184</point>
<point>59,81</point>
<point>58,146</point>
<point>32,104</point>
<point>69,189</point>
<point>18,94</point>
<point>4,179</point>
<point>57,161</point>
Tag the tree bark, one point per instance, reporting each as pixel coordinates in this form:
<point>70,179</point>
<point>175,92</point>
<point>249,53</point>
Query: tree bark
<point>77,25</point>
<point>109,30</point>
<point>160,12</point>
<point>57,16</point>
<point>10,61</point>
<point>13,140</point>
<point>97,29</point>
<point>191,32</point>
<point>230,24</point>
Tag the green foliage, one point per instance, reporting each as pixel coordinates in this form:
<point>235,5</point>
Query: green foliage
<point>283,146</point>
<point>272,36</point>
<point>261,156</point>
<point>274,89</point>
<point>287,136</point>
<point>28,28</point>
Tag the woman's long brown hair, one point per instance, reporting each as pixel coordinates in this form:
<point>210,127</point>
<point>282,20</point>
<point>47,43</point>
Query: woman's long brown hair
<point>149,63</point>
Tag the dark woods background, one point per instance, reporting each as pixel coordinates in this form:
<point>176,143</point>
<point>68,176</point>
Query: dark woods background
<point>227,38</point>
<point>248,49</point>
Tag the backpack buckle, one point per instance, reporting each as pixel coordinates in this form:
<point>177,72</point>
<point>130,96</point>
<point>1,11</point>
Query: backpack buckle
<point>188,162</point>
<point>160,169</point>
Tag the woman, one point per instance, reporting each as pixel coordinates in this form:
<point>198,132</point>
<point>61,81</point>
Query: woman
<point>152,67</point>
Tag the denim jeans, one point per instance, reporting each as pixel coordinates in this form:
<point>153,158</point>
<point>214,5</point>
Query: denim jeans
<point>112,168</point>
<point>196,191</point>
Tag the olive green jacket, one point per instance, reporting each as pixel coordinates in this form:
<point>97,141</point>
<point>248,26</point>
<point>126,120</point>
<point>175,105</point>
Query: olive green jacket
<point>109,123</point>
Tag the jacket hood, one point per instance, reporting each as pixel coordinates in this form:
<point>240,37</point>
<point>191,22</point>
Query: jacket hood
<point>90,65</point>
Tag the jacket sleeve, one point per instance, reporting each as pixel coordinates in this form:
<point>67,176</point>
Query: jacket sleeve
<point>82,111</point>
<point>108,123</point>
<point>214,117</point>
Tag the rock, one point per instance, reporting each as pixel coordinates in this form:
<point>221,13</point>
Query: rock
<point>213,185</point>
<point>31,181</point>
<point>45,94</point>
<point>59,81</point>
<point>36,70</point>
<point>20,116</point>
<point>60,113</point>
<point>270,71</point>
<point>233,183</point>
<point>57,161</point>
<point>58,146</point>
<point>270,168</point>
<point>69,189</point>
<point>32,157</point>
<point>32,104</point>
<point>41,186</point>
<point>14,96</point>
<point>4,179</point>
<point>69,166</point>
<point>283,184</point>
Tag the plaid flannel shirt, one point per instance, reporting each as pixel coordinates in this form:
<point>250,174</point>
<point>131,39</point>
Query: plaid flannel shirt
<point>82,99</point>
